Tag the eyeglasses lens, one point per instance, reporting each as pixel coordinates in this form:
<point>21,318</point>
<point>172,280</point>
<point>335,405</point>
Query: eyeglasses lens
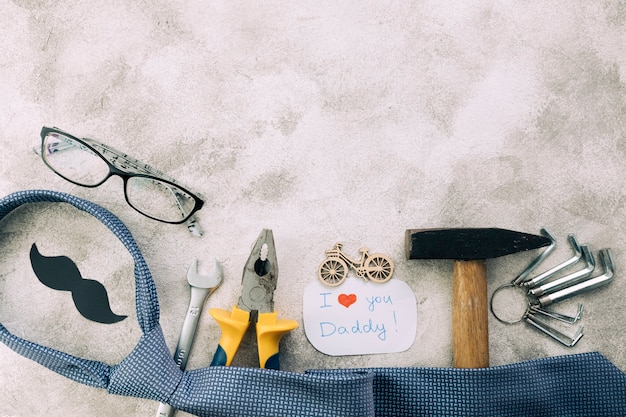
<point>73,160</point>
<point>158,199</point>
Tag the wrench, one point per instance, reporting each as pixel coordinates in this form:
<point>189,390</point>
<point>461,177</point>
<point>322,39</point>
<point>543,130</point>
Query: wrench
<point>606,259</point>
<point>523,276</point>
<point>201,286</point>
<point>569,280</point>
<point>554,333</point>
<point>548,274</point>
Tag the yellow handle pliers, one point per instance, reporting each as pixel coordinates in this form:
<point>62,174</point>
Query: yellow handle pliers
<point>256,303</point>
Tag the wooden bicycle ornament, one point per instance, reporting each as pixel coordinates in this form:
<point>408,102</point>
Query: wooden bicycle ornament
<point>334,269</point>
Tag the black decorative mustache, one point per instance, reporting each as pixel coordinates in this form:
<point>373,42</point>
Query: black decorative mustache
<point>61,273</point>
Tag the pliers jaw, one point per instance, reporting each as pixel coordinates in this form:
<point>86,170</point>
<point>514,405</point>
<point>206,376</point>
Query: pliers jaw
<point>260,275</point>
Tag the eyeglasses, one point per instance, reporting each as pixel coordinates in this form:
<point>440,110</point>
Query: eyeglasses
<point>88,163</point>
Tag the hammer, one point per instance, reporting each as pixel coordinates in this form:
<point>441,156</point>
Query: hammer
<point>469,247</point>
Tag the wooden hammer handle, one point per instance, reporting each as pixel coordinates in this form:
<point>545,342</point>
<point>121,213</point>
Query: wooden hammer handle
<point>470,333</point>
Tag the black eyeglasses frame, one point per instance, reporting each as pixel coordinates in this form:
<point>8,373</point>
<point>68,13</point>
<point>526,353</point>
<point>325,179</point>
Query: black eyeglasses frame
<point>125,163</point>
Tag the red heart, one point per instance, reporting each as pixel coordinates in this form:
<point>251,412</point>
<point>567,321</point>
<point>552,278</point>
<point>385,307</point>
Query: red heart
<point>346,300</point>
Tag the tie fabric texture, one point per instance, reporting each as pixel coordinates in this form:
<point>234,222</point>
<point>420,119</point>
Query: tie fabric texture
<point>575,385</point>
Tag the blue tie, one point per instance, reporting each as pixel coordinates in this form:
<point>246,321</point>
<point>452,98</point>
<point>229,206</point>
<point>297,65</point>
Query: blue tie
<point>582,385</point>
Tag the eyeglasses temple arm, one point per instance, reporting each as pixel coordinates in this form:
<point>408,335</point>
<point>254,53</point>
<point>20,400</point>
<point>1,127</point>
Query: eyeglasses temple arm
<point>194,227</point>
<point>118,159</point>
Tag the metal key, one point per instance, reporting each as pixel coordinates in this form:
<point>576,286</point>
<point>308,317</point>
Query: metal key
<point>569,280</point>
<point>606,259</point>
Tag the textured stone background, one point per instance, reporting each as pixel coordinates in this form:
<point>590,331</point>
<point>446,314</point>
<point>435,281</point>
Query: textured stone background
<point>327,122</point>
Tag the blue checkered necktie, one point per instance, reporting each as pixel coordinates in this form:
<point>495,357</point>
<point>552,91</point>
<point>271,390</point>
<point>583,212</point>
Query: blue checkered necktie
<point>577,385</point>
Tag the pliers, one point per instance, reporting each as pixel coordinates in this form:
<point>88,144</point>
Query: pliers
<point>256,303</point>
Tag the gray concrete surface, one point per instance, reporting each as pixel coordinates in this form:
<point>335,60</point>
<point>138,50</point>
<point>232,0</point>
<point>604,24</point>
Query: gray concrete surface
<point>326,122</point>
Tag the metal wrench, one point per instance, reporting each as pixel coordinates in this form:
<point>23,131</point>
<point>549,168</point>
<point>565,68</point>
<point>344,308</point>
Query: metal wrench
<point>523,276</point>
<point>566,340</point>
<point>201,286</point>
<point>606,259</point>
<point>578,253</point>
<point>569,280</point>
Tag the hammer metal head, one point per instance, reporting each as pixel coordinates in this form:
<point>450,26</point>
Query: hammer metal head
<point>468,243</point>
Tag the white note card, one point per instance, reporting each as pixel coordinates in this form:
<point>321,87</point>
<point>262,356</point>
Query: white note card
<point>360,317</point>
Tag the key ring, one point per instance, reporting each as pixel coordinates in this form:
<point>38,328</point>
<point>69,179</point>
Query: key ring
<point>499,318</point>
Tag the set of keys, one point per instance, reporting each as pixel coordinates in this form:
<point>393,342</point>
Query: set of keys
<point>546,289</point>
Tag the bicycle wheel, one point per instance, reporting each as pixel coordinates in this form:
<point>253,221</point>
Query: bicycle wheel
<point>379,268</point>
<point>333,271</point>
